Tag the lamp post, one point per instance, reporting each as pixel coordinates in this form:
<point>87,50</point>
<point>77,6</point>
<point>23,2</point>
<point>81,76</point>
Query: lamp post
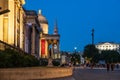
<point>92,36</point>
<point>75,48</point>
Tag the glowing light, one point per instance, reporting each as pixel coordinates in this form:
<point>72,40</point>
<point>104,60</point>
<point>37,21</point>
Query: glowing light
<point>75,48</point>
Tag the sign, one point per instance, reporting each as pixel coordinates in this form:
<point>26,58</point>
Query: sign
<point>42,46</point>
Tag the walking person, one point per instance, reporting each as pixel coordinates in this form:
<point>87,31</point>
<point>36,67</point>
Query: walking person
<point>112,67</point>
<point>108,67</point>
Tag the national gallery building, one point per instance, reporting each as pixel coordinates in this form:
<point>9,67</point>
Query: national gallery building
<point>27,30</point>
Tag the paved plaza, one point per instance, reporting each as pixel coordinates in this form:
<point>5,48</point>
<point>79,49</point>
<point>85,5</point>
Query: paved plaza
<point>92,74</point>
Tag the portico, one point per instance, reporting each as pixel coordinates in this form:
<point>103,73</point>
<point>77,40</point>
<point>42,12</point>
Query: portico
<point>49,43</point>
<point>50,46</point>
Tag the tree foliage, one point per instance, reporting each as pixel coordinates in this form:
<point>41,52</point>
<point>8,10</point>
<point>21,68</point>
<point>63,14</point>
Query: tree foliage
<point>43,62</point>
<point>110,56</point>
<point>75,58</point>
<point>90,51</point>
<point>10,58</point>
<point>56,63</point>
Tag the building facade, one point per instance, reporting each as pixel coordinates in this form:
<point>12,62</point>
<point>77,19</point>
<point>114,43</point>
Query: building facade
<point>12,23</point>
<point>19,27</point>
<point>49,42</point>
<point>32,32</point>
<point>27,30</point>
<point>108,46</point>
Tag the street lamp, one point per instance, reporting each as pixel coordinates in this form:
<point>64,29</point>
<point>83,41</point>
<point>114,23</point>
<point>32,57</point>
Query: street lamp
<point>75,48</point>
<point>93,36</point>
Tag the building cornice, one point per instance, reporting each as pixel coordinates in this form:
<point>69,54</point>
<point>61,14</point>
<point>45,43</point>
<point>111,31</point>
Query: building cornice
<point>48,36</point>
<point>23,2</point>
<point>107,43</point>
<point>20,1</point>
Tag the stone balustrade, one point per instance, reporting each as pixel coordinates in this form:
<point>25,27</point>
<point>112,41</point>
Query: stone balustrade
<point>34,73</point>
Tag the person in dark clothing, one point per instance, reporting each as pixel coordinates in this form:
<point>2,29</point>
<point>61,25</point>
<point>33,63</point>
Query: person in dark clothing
<point>108,66</point>
<point>112,67</point>
<point>117,66</point>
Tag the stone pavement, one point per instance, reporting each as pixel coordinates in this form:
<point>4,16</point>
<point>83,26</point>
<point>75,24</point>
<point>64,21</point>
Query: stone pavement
<point>65,78</point>
<point>92,74</point>
<point>96,74</point>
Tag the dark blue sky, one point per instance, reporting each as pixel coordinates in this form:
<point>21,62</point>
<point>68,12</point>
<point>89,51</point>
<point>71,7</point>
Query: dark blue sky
<point>76,18</point>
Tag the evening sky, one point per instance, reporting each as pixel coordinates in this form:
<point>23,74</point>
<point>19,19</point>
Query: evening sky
<point>76,18</point>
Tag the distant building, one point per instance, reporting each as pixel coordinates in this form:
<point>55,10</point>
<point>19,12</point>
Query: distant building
<point>108,46</point>
<point>65,57</point>
<point>49,43</point>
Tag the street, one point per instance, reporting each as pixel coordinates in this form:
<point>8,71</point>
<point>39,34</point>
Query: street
<point>92,74</point>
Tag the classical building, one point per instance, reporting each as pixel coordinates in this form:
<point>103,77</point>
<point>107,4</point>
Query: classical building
<point>49,42</point>
<point>27,30</point>
<point>12,23</point>
<point>32,32</point>
<point>20,28</point>
<point>108,46</point>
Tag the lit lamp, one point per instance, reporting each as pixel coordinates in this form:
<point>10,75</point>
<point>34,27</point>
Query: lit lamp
<point>75,48</point>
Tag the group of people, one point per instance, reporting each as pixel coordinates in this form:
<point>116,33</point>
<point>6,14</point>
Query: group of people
<point>110,66</point>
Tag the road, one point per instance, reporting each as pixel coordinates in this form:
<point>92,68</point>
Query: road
<point>92,74</point>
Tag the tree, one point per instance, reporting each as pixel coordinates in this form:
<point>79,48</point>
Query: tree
<point>90,52</point>
<point>10,58</point>
<point>110,56</point>
<point>96,58</point>
<point>75,58</point>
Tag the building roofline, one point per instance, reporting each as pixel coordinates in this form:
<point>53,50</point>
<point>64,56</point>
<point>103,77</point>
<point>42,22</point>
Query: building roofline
<point>100,43</point>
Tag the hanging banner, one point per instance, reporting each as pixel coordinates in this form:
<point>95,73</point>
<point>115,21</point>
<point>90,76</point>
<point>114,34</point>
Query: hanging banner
<point>42,46</point>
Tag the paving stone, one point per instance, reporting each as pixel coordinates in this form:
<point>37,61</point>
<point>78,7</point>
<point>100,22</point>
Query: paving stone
<point>92,74</point>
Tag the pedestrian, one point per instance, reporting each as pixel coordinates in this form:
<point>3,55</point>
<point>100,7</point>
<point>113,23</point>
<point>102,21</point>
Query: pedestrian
<point>117,66</point>
<point>112,67</point>
<point>108,66</point>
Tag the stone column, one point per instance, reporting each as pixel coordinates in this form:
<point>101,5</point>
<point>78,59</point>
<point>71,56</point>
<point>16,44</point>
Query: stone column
<point>58,49</point>
<point>40,47</point>
<point>21,29</point>
<point>52,51</point>
<point>50,57</point>
<point>33,40</point>
<point>46,49</point>
<point>11,22</point>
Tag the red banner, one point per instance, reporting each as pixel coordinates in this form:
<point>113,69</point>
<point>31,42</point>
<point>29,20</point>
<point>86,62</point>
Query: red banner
<point>42,46</point>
